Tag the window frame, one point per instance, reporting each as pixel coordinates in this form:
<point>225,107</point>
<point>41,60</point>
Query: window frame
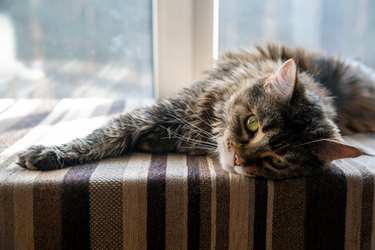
<point>185,42</point>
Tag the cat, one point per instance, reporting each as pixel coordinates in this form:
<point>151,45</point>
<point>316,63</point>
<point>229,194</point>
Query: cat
<point>274,112</point>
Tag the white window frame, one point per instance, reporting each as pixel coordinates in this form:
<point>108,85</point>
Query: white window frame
<point>185,42</point>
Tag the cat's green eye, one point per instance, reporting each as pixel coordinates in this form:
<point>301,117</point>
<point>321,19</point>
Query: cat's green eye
<point>252,123</point>
<point>277,163</point>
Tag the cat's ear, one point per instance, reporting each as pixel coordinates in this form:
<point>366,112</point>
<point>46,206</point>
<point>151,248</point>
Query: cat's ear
<point>283,82</point>
<point>329,150</point>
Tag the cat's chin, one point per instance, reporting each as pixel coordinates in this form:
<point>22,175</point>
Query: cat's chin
<point>242,171</point>
<point>227,161</point>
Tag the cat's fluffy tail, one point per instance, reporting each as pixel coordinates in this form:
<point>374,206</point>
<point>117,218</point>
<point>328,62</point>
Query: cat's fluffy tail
<point>356,104</point>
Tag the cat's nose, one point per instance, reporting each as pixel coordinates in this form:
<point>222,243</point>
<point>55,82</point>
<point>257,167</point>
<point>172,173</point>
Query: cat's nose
<point>238,161</point>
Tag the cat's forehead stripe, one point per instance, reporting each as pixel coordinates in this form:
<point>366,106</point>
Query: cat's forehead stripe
<point>268,126</point>
<point>259,136</point>
<point>238,129</point>
<point>277,139</point>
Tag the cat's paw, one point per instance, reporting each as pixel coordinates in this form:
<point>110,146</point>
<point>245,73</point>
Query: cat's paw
<point>39,158</point>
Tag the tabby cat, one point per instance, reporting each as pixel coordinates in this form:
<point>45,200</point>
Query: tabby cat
<point>274,112</point>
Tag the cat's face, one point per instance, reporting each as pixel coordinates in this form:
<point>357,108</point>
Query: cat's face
<point>276,129</point>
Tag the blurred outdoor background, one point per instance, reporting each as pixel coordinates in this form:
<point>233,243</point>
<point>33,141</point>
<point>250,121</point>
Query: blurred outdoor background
<point>91,48</point>
<point>340,27</point>
<point>75,48</point>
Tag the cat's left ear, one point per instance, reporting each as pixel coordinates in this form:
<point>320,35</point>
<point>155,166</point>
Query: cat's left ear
<point>283,82</point>
<point>329,150</point>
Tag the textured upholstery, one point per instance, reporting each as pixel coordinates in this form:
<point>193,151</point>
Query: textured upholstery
<point>159,201</point>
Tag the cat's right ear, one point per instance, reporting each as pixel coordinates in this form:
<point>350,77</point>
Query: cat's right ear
<point>283,82</point>
<point>329,150</point>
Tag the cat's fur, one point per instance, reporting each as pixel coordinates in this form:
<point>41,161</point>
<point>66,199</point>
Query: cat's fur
<point>297,102</point>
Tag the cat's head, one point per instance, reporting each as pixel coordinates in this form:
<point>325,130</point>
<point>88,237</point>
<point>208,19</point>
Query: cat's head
<point>279,127</point>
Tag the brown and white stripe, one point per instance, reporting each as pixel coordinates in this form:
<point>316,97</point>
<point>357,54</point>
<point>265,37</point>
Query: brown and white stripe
<point>144,201</point>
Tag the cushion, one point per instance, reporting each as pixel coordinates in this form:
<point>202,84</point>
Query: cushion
<point>157,201</point>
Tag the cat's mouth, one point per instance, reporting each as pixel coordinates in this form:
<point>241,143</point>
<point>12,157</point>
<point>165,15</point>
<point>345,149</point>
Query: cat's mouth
<point>238,161</point>
<point>241,168</point>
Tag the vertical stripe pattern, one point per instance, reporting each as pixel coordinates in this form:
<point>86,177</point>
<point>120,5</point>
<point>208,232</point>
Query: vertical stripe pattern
<point>49,233</point>
<point>222,207</point>
<point>156,202</point>
<point>325,210</point>
<point>260,220</point>
<point>168,201</point>
<point>367,208</point>
<point>75,208</point>
<point>176,203</point>
<point>134,199</point>
<point>106,205</point>
<point>194,204</point>
<point>289,206</point>
<point>205,203</point>
<point>239,212</point>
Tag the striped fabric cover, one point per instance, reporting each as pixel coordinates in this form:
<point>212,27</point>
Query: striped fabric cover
<point>144,201</point>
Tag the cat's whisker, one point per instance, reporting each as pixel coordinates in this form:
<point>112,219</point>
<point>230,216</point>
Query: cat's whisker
<point>188,139</point>
<point>61,164</point>
<point>192,144</point>
<point>197,147</point>
<point>182,119</point>
<point>196,114</point>
<point>192,126</point>
<point>209,116</point>
<point>314,141</point>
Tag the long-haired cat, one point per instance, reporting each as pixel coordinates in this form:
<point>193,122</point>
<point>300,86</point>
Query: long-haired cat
<point>274,112</point>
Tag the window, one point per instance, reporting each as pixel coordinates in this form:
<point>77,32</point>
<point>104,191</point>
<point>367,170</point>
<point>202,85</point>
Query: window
<point>152,48</point>
<point>340,27</point>
<point>76,48</point>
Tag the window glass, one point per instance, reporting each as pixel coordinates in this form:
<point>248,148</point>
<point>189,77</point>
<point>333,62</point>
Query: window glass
<point>341,27</point>
<point>75,48</point>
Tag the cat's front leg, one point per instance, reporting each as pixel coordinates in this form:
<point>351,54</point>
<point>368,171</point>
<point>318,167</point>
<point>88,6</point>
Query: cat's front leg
<point>160,128</point>
<point>114,138</point>
<point>103,142</point>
